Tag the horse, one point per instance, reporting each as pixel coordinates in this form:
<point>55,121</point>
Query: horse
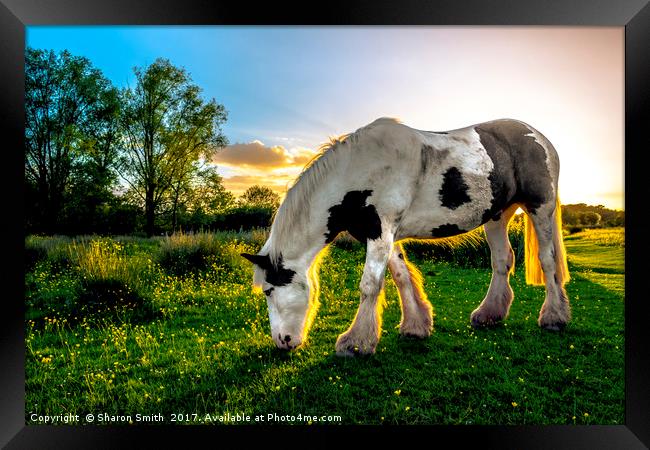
<point>386,183</point>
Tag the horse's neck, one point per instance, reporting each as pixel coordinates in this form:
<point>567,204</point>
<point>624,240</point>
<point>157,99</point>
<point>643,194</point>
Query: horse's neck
<point>308,236</point>
<point>304,248</point>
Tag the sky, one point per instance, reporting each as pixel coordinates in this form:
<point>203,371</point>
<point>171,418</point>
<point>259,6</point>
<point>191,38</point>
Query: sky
<point>289,89</point>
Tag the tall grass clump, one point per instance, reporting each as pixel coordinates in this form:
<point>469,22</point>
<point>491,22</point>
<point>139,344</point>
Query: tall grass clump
<point>469,250</point>
<point>182,254</point>
<point>111,281</point>
<point>345,241</point>
<point>50,248</point>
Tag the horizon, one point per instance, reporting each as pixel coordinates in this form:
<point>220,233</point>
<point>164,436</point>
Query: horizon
<point>288,89</point>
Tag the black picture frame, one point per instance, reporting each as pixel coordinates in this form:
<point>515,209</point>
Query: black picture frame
<point>634,15</point>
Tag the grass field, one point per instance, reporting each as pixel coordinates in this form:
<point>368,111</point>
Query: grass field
<point>186,343</point>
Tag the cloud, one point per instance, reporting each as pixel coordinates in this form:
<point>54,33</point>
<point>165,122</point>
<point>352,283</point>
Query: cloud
<point>278,183</point>
<point>259,156</point>
<point>244,165</point>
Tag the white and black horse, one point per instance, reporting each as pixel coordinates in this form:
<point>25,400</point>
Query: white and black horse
<point>388,182</point>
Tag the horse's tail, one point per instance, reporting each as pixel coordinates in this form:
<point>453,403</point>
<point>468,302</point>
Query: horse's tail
<point>534,273</point>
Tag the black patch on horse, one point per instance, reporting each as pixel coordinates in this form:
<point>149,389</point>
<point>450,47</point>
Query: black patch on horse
<point>520,173</point>
<point>446,230</point>
<point>453,192</point>
<point>355,216</point>
<point>277,276</point>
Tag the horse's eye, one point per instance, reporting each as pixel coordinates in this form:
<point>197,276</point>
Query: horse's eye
<point>268,292</point>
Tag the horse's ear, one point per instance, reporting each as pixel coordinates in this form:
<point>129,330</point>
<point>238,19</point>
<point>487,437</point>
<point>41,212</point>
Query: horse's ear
<point>255,259</point>
<point>249,257</point>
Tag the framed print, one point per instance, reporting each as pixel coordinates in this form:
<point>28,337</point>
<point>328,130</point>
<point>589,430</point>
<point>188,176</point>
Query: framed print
<point>354,219</point>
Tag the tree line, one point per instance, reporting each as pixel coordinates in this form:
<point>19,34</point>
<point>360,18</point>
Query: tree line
<point>583,215</point>
<point>99,159</point>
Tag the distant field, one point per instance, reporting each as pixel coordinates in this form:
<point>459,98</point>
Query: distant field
<point>186,335</point>
<point>601,251</point>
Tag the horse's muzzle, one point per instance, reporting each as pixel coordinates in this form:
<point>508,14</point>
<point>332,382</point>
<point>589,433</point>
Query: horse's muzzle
<point>286,342</point>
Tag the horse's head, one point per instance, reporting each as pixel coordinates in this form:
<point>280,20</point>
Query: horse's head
<point>288,296</point>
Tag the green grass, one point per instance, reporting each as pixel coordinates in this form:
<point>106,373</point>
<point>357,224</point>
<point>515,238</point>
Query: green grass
<point>208,349</point>
<point>598,250</point>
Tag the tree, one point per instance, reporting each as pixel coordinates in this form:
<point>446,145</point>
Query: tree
<point>94,174</point>
<point>588,218</point>
<point>200,199</point>
<point>70,109</point>
<point>209,194</point>
<point>260,197</point>
<point>167,128</point>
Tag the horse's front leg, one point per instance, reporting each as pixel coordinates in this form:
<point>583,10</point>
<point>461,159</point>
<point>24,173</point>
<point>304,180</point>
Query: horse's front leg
<point>363,335</point>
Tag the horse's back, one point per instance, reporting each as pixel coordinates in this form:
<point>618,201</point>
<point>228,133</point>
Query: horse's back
<point>437,184</point>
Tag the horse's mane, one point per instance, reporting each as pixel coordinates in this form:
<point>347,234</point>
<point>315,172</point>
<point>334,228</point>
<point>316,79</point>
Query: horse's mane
<point>294,211</point>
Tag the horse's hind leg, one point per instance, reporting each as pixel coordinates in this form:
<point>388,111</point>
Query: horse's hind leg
<point>496,304</point>
<point>363,335</point>
<point>555,312</point>
<point>417,313</point>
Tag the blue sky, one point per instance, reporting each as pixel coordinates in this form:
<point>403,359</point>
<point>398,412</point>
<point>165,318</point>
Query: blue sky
<point>287,89</point>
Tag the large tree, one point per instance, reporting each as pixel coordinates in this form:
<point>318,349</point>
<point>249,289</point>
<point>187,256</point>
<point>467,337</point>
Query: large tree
<point>167,127</point>
<point>70,113</point>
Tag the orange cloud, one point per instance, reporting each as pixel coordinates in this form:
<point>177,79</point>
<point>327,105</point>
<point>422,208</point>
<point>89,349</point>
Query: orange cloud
<point>239,183</point>
<point>259,156</point>
<point>255,163</point>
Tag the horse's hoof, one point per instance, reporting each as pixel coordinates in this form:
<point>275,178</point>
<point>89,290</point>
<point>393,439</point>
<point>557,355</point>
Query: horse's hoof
<point>412,336</point>
<point>348,352</point>
<point>350,347</point>
<point>485,321</point>
<point>553,326</point>
<point>416,332</point>
<point>353,351</point>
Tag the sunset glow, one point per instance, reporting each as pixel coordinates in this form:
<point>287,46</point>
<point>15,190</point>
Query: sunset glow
<point>288,89</point>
